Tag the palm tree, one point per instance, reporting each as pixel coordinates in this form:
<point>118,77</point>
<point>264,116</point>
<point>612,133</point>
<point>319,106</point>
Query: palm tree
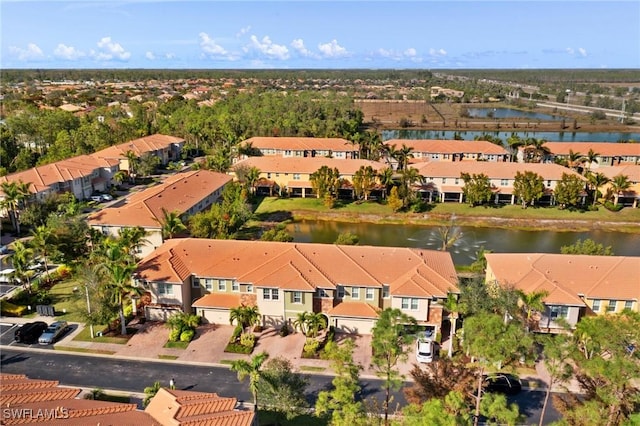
<point>171,224</point>
<point>301,322</point>
<point>150,392</point>
<point>134,161</point>
<point>619,184</point>
<point>245,316</point>
<point>131,238</point>
<point>409,177</point>
<point>21,260</point>
<point>251,368</point>
<point>315,323</point>
<point>514,142</point>
<point>403,155</point>
<point>119,176</point>
<point>386,178</point>
<point>531,302</point>
<point>592,157</point>
<point>121,285</point>
<point>14,195</point>
<point>253,175</point>
<point>575,159</point>
<point>596,180</point>
<point>40,242</point>
<point>535,150</point>
<point>451,306</point>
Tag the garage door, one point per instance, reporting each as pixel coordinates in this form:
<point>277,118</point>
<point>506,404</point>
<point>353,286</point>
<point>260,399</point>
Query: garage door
<point>354,325</point>
<point>214,316</point>
<point>159,314</point>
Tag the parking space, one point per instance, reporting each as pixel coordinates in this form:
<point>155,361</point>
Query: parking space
<point>7,331</point>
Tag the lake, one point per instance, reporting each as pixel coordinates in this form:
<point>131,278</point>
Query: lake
<point>464,251</point>
<point>549,136</point>
<point>512,113</point>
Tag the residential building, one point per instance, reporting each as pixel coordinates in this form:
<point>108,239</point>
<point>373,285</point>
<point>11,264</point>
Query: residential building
<point>303,147</point>
<point>451,150</point>
<point>577,285</point>
<point>166,148</point>
<point>436,91</point>
<point>186,193</point>
<point>293,175</point>
<point>443,179</point>
<point>631,196</point>
<point>80,176</point>
<point>608,154</point>
<point>34,401</point>
<point>348,284</point>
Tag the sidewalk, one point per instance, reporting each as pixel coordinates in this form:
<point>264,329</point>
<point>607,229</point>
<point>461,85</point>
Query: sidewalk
<point>208,349</point>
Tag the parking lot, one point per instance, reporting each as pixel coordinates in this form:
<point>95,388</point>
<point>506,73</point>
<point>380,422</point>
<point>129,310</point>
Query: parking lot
<point>8,329</point>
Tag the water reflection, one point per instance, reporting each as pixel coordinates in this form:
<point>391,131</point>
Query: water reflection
<point>549,136</point>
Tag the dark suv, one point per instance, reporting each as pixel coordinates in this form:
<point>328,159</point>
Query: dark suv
<point>30,332</point>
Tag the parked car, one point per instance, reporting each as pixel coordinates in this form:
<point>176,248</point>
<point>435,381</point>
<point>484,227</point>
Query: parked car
<point>106,197</point>
<point>425,350</point>
<point>30,332</point>
<point>96,198</point>
<point>53,332</point>
<point>502,382</point>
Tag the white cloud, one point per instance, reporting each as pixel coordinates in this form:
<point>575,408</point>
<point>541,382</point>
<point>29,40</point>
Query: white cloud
<point>243,31</point>
<point>298,46</point>
<point>110,50</point>
<point>570,51</point>
<point>169,55</point>
<point>269,49</point>
<point>69,53</point>
<point>582,51</point>
<point>437,52</point>
<point>332,50</point>
<point>32,52</point>
<point>150,56</point>
<point>210,47</point>
<point>395,55</point>
<point>410,52</point>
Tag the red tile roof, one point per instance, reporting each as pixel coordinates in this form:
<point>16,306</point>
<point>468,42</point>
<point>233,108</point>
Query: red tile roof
<point>354,309</point>
<point>139,146</point>
<point>301,143</point>
<point>438,146</point>
<point>606,149</point>
<point>495,170</point>
<point>218,300</point>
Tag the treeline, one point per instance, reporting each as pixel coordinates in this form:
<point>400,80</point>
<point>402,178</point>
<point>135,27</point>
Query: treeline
<point>547,76</point>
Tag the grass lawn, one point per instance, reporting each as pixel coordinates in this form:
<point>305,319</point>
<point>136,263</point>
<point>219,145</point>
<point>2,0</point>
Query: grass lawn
<point>176,345</point>
<point>170,357</point>
<point>85,336</point>
<point>83,350</point>
<point>69,304</point>
<point>311,368</point>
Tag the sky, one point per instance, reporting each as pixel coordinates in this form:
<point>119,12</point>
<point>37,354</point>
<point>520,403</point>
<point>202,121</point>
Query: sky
<point>419,34</point>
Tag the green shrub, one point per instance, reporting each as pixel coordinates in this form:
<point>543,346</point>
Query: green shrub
<point>236,334</point>
<point>311,346</point>
<point>237,348</point>
<point>11,310</point>
<point>284,330</point>
<point>612,207</point>
<point>187,335</point>
<point>248,339</point>
<point>175,335</point>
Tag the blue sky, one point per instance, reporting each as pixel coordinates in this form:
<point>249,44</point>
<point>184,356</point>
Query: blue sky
<point>425,34</point>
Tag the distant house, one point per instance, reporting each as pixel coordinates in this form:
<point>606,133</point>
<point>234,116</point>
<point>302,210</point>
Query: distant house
<point>185,193</point>
<point>293,175</point>
<point>436,91</point>
<point>443,179</point>
<point>451,150</point>
<point>608,154</point>
<point>303,147</point>
<point>349,285</point>
<point>577,285</point>
<point>631,196</point>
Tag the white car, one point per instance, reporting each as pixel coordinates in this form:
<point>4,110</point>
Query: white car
<point>106,197</point>
<point>96,198</point>
<point>425,350</point>
<point>53,332</point>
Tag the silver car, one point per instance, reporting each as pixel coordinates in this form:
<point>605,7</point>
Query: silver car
<point>53,332</point>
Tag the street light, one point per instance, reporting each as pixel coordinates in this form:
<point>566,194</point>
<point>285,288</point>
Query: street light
<point>86,292</point>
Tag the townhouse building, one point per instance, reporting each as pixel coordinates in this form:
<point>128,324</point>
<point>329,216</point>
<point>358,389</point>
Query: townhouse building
<point>608,154</point>
<point>303,147</point>
<point>186,193</point>
<point>347,284</point>
<point>576,285</point>
<point>443,179</point>
<point>630,196</point>
<point>293,175</point>
<point>451,150</point>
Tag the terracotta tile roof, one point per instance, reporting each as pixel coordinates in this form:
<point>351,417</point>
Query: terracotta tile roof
<point>495,170</point>
<point>218,300</point>
<point>438,146</point>
<point>354,309</point>
<point>299,266</point>
<point>139,146</point>
<point>567,276</point>
<point>127,418</point>
<point>631,171</point>
<point>306,165</point>
<point>606,149</point>
<point>301,143</point>
<point>172,407</point>
<point>179,193</point>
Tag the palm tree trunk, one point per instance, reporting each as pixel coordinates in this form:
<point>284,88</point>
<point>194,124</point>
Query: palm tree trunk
<point>476,415</point>
<point>452,331</point>
<point>123,325</point>
<point>546,400</point>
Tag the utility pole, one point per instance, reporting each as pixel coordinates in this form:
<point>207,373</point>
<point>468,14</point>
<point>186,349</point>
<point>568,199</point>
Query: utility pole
<point>86,292</point>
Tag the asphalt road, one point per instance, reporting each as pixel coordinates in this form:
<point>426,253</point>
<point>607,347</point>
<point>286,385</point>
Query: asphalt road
<point>133,376</point>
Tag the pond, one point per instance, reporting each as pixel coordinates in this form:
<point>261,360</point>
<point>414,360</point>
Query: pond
<point>549,136</point>
<point>465,249</point>
<point>512,113</point>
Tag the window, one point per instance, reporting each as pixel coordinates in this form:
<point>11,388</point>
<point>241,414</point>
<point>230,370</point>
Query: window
<point>275,295</point>
<point>613,304</point>
<point>208,284</point>
<point>321,293</point>
<point>504,182</point>
<point>410,303</point>
<point>270,294</point>
<point>444,180</point>
<point>596,305</point>
<point>457,181</point>
<point>559,311</point>
<point>195,283</point>
<point>355,292</point>
<point>222,285</point>
<point>385,291</point>
<point>297,297</point>
<point>340,292</point>
<point>235,286</point>
<point>368,293</point>
<point>249,288</point>
<point>548,184</point>
<point>165,289</point>
<point>628,304</point>
<point>296,176</point>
